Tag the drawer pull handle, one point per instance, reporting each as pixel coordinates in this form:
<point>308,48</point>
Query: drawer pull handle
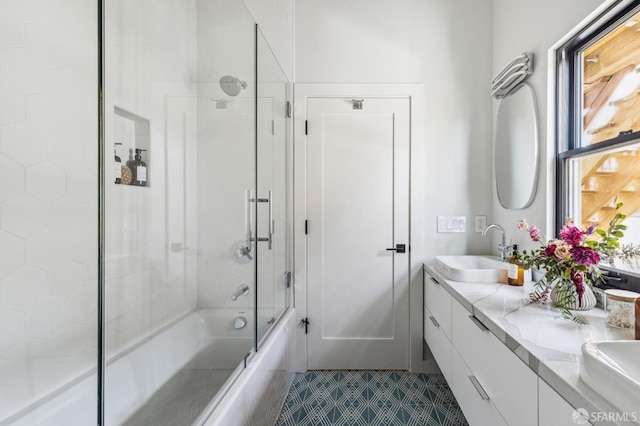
<point>435,281</point>
<point>434,321</point>
<point>478,386</point>
<point>479,323</point>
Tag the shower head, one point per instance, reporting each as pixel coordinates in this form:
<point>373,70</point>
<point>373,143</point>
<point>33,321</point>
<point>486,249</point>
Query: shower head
<point>232,85</point>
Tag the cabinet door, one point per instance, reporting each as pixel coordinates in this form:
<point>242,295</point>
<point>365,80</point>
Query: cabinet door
<point>508,381</point>
<point>476,406</point>
<point>553,410</point>
<point>438,343</point>
<point>438,300</point>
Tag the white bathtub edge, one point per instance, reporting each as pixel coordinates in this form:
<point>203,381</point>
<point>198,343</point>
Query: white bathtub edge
<point>252,397</point>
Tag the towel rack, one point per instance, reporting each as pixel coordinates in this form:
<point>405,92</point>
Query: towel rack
<point>512,75</point>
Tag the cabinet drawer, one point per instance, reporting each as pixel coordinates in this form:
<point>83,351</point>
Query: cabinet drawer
<point>438,342</point>
<point>553,410</point>
<point>438,301</point>
<point>510,384</point>
<point>478,410</point>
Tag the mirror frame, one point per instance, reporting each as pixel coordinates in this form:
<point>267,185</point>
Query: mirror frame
<point>536,151</point>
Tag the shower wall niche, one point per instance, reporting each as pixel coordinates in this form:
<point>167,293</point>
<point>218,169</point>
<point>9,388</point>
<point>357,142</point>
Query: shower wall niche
<point>131,139</point>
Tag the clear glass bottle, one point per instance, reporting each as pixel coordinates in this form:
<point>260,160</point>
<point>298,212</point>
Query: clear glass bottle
<point>515,268</point>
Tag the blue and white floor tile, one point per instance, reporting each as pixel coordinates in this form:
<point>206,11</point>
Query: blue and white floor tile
<point>354,398</point>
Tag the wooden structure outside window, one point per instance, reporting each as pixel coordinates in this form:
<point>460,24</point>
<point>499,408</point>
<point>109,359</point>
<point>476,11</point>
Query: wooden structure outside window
<point>611,107</point>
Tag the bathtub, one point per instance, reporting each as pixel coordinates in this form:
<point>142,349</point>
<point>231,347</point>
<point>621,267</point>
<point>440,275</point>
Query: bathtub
<point>204,339</point>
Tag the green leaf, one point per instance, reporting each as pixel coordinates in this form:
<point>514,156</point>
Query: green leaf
<point>618,234</point>
<point>601,232</point>
<point>618,206</point>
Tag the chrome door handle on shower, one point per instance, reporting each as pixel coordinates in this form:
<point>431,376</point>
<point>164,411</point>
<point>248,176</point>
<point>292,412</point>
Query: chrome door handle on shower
<point>271,224</point>
<point>269,238</point>
<point>248,215</point>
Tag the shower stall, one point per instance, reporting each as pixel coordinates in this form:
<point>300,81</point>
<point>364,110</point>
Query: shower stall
<point>145,208</point>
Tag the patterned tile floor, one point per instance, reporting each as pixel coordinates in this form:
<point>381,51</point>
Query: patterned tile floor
<point>354,398</point>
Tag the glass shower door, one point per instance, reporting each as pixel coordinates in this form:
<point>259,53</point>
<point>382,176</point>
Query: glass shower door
<point>274,186</point>
<point>180,117</point>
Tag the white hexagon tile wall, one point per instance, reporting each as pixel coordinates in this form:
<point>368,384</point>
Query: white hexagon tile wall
<point>48,197</point>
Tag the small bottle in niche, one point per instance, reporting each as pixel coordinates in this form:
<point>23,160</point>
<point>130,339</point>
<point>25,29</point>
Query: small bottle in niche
<point>138,169</point>
<point>515,269</point>
<point>117,165</point>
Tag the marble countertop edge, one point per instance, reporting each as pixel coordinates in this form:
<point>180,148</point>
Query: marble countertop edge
<point>503,309</point>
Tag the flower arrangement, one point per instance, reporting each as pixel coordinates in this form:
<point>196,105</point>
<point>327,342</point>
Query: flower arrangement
<point>571,261</point>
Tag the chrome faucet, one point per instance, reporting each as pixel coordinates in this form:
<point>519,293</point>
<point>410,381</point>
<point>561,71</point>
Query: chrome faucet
<point>503,248</point>
<point>241,291</point>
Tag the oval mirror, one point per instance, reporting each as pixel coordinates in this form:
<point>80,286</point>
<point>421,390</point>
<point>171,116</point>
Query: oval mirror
<point>516,148</point>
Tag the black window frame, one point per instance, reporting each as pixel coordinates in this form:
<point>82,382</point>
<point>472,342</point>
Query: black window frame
<point>568,125</point>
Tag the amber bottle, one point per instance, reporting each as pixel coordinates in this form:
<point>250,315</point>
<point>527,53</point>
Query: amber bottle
<point>515,268</point>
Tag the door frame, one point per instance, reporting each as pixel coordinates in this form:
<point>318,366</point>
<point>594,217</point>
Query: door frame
<point>415,94</point>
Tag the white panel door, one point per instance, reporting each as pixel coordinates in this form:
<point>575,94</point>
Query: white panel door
<point>358,208</point>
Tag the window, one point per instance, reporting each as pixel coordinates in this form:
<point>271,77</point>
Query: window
<point>598,129</point>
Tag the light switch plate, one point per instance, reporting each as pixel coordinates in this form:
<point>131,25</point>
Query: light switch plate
<point>447,224</point>
<point>481,223</point>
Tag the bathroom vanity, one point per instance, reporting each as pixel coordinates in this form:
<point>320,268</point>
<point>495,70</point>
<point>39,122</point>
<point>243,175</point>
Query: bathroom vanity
<point>509,362</point>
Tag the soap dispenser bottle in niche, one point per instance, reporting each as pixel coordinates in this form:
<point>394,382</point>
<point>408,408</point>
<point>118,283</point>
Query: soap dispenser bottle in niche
<point>117,164</point>
<point>138,169</point>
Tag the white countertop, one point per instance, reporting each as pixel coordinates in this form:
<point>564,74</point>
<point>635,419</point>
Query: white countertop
<point>537,334</point>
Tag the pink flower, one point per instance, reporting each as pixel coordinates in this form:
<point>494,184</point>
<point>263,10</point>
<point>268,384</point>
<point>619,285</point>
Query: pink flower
<point>534,233</point>
<point>584,256</point>
<point>572,235</point>
<point>522,224</point>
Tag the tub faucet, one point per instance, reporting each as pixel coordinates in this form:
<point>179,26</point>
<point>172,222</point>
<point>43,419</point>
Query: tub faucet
<point>503,248</point>
<point>243,290</point>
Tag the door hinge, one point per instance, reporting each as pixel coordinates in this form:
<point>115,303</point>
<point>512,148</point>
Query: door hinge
<point>306,227</point>
<point>306,127</point>
<point>305,322</point>
<point>288,110</point>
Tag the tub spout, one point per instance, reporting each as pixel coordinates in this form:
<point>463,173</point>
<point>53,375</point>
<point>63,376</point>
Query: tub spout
<point>243,290</point>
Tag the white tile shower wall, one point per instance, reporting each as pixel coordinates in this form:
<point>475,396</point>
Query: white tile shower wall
<point>225,165</point>
<point>150,72</point>
<point>48,200</point>
<point>226,139</point>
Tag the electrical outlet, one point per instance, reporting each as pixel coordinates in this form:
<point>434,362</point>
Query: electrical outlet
<point>481,223</point>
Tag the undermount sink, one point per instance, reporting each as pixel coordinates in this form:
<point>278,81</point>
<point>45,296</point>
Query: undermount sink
<point>472,268</point>
<point>611,369</point>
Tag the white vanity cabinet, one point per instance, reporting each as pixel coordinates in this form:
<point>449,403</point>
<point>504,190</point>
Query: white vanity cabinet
<point>475,403</point>
<point>437,323</point>
<point>508,382</point>
<point>553,410</point>
<point>491,384</point>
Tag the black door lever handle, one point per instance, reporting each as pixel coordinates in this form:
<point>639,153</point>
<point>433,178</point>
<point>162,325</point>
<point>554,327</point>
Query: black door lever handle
<point>399,248</point>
